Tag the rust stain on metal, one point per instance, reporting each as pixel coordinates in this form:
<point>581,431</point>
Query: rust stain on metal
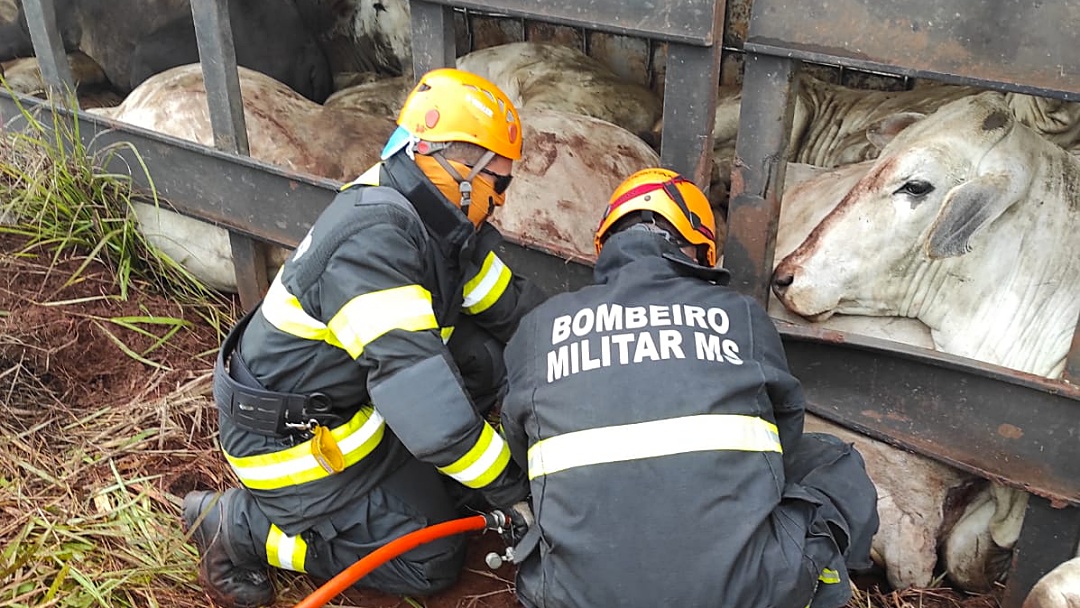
<point>898,417</point>
<point>872,414</point>
<point>1009,431</point>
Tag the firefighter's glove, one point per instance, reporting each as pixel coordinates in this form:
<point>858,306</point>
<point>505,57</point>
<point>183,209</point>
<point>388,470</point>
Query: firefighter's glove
<point>521,518</point>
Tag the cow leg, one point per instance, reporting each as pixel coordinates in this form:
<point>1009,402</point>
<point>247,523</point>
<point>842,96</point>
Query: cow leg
<point>978,547</point>
<point>913,492</point>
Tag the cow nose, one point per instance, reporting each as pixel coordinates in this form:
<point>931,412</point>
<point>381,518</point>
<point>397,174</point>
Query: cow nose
<point>782,279</point>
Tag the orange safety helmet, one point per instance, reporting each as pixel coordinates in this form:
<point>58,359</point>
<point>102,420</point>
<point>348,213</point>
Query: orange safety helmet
<point>453,105</point>
<point>670,195</point>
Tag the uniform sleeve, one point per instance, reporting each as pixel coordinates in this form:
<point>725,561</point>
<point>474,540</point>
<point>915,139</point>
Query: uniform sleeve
<point>784,390</point>
<point>517,404</point>
<point>377,308</point>
<point>494,296</point>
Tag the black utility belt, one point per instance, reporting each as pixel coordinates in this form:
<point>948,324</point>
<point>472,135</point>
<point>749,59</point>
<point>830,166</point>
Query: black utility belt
<point>253,408</point>
<point>269,412</point>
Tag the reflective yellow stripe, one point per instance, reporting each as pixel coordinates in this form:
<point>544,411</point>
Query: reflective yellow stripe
<point>283,551</point>
<point>368,178</point>
<point>706,432</point>
<point>283,311</point>
<point>829,577</point>
<point>361,321</point>
<point>296,465</point>
<point>483,462</point>
<point>487,286</point>
<point>446,333</point>
<point>367,317</point>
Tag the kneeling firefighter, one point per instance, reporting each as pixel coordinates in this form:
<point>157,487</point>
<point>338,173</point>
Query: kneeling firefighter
<point>352,400</point>
<point>662,432</point>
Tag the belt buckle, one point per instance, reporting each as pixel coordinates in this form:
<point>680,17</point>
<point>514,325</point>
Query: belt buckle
<point>315,406</point>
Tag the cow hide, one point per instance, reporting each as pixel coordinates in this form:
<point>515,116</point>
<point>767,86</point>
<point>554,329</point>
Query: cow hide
<point>570,164</point>
<point>1059,588</point>
<point>284,129</point>
<point>941,228</point>
<point>555,77</point>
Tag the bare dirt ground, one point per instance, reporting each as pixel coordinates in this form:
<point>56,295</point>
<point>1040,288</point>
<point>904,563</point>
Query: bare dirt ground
<point>64,377</point>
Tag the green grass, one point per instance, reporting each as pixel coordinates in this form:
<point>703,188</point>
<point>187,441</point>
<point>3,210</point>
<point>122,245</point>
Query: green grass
<point>60,200</point>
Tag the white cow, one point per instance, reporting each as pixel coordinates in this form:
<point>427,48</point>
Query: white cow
<point>534,76</point>
<point>569,160</point>
<point>283,129</point>
<point>570,164</point>
<point>537,75</point>
<point>834,125</point>
<point>941,229</point>
<point>1060,588</point>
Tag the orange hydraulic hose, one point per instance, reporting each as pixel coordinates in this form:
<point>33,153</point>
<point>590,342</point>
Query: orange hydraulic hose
<point>387,552</point>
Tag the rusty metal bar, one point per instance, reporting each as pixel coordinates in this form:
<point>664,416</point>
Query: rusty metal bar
<point>1007,426</point>
<point>1027,47</point>
<point>208,184</point>
<point>757,175</point>
<point>433,44</point>
<point>217,55</point>
<point>1048,538</point>
<point>690,86</point>
<point>686,22</point>
<point>49,50</point>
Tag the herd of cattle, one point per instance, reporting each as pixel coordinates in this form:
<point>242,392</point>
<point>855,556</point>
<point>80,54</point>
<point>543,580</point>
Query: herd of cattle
<point>944,216</point>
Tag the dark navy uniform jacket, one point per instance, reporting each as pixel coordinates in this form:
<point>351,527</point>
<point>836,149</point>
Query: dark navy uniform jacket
<point>652,412</point>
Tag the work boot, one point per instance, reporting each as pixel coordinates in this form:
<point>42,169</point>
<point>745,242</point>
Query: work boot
<point>227,580</point>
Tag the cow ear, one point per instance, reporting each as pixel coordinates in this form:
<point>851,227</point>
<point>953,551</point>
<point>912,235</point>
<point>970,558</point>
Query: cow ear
<point>966,209</point>
<point>882,132</point>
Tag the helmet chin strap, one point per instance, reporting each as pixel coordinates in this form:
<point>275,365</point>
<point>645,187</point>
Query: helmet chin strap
<point>465,183</point>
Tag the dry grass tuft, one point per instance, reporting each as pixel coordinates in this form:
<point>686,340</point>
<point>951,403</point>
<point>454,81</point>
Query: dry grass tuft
<point>88,519</point>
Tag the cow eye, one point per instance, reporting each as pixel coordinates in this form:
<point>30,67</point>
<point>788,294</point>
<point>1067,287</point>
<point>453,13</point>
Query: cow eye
<point>916,187</point>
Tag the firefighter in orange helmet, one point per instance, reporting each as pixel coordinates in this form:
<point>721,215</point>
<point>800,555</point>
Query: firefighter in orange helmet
<point>352,400</point>
<point>662,433</point>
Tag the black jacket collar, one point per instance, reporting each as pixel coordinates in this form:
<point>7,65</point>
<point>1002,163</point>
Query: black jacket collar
<point>650,251</point>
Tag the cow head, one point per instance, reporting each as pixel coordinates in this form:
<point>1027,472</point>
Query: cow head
<point>929,193</point>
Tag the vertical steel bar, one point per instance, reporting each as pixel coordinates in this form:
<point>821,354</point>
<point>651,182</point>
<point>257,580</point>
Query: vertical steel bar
<point>1048,538</point>
<point>757,175</point>
<point>433,43</point>
<point>217,55</point>
<point>49,50</point>
<point>1072,363</point>
<point>690,83</point>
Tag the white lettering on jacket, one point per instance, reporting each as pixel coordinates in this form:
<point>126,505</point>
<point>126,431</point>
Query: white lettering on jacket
<point>611,334</point>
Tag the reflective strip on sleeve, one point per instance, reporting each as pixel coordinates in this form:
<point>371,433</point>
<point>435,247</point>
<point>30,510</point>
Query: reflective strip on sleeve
<point>446,333</point>
<point>483,463</point>
<point>296,465</point>
<point>286,552</point>
<point>487,286</point>
<point>706,432</point>
<point>829,576</point>
<point>359,322</point>
<point>283,311</point>
<point>366,317</point>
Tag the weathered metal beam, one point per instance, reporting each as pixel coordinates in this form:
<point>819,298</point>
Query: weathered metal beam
<point>1027,47</point>
<point>757,174</point>
<point>690,110</point>
<point>1003,425</point>
<point>433,44</point>
<point>225,189</point>
<point>687,21</point>
<point>49,50</point>
<point>1048,538</point>
<point>217,56</point>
